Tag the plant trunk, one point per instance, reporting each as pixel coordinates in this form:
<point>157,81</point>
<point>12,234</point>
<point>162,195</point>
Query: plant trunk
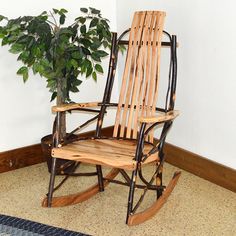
<point>61,86</point>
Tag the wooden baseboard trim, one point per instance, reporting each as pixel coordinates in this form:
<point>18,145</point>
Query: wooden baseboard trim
<point>21,157</point>
<point>200,166</point>
<point>191,162</point>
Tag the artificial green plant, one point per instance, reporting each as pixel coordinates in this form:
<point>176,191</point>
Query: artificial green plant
<point>60,53</point>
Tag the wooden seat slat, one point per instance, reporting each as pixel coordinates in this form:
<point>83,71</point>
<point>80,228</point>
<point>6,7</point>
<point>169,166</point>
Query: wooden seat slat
<point>113,153</point>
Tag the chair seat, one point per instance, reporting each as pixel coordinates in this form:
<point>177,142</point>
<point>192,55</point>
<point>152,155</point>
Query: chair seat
<point>114,153</point>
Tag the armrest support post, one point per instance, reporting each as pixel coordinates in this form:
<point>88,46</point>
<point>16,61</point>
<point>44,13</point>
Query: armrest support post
<point>56,134</point>
<point>140,143</point>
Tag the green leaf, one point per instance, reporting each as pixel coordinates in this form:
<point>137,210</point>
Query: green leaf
<point>12,38</point>
<point>85,10</point>
<point>104,22</point>
<point>94,11</point>
<point>89,71</point>
<point>66,31</point>
<point>43,17</point>
<point>98,68</point>
<point>76,55</point>
<point>63,10</point>
<point>38,68</point>
<point>54,95</point>
<point>62,19</point>
<point>51,84</point>
<point>44,62</point>
<point>86,51</point>
<point>16,48</point>
<point>74,63</point>
<point>4,41</point>
<point>74,89</point>
<point>77,82</point>
<point>24,72</point>
<point>3,32</point>
<point>101,53</point>
<point>91,32</point>
<point>43,13</point>
<point>31,42</point>
<point>83,29</point>
<point>23,39</point>
<point>94,75</point>
<point>95,57</point>
<point>14,27</point>
<point>2,17</point>
<point>81,19</point>
<point>95,44</point>
<point>105,33</point>
<point>105,44</point>
<point>93,22</point>
<point>36,52</point>
<point>24,56</point>
<point>86,42</point>
<point>25,76</point>
<point>2,35</point>
<point>55,10</point>
<point>28,18</point>
<point>86,62</point>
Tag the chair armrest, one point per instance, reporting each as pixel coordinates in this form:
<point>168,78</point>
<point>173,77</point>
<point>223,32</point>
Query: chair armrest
<point>171,115</point>
<point>71,106</point>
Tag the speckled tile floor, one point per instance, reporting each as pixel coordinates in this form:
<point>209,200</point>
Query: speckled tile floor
<point>196,207</point>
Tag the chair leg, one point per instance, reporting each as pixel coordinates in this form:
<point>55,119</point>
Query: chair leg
<point>131,195</point>
<point>51,183</point>
<point>100,178</point>
<point>159,181</point>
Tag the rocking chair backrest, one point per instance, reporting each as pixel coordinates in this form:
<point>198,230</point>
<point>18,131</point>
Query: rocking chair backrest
<point>139,88</point>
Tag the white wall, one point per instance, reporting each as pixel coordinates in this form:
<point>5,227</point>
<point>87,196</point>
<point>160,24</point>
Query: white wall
<point>206,72</point>
<point>25,108</point>
<point>206,83</point>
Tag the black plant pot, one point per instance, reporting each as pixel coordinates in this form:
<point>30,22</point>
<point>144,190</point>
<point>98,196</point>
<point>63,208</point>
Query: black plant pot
<point>62,166</point>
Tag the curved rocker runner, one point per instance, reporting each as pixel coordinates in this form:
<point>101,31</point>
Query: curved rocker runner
<point>133,145</point>
<point>78,197</point>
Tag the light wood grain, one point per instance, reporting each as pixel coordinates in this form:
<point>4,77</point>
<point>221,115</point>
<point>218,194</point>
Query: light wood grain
<point>138,29</point>
<point>138,78</point>
<point>139,89</point>
<point>113,153</point>
<point>140,217</point>
<point>71,106</point>
<point>161,118</point>
<point>129,59</point>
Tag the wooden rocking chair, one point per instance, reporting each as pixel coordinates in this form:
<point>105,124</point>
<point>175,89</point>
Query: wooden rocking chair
<point>132,145</point>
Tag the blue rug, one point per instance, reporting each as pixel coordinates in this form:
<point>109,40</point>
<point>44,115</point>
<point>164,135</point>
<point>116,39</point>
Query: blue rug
<point>13,226</point>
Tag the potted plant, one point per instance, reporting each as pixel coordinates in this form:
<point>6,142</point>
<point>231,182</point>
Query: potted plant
<point>59,53</point>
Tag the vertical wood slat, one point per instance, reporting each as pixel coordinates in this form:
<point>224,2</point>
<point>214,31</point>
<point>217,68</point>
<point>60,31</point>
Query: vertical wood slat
<point>138,75</point>
<point>136,44</point>
<point>145,46</point>
<point>129,60</point>
<point>151,73</point>
<point>157,66</point>
<point>140,79</point>
<point>147,50</point>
